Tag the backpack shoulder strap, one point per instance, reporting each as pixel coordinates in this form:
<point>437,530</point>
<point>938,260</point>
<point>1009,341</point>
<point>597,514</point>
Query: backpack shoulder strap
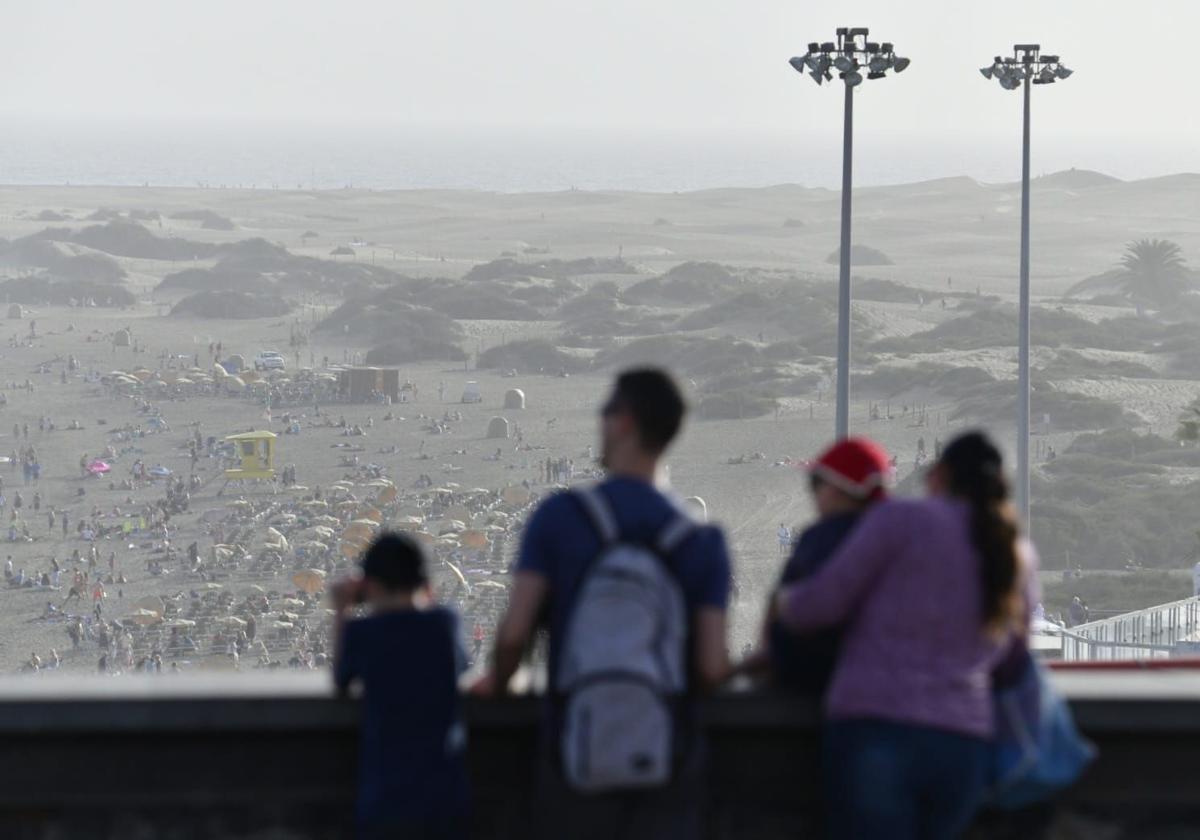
<point>600,513</point>
<point>673,534</point>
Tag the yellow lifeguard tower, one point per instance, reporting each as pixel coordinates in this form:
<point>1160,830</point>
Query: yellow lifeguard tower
<point>255,456</point>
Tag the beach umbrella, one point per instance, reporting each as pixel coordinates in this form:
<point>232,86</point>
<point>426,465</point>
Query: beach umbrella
<point>283,625</point>
<point>491,584</point>
<point>150,602</point>
<point>309,580</point>
<point>179,622</point>
<point>144,617</point>
<point>452,526</point>
<point>371,514</point>
<point>294,603</point>
<point>232,620</point>
<point>98,467</point>
<point>458,574</point>
<point>515,496</point>
<point>260,590</point>
<point>474,539</point>
<point>386,496</point>
<point>210,587</point>
<point>356,534</point>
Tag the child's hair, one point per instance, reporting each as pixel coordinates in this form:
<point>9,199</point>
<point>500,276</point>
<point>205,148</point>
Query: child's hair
<point>396,561</point>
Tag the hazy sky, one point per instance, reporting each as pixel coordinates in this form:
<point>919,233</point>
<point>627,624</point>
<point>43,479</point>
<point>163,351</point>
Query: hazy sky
<point>626,66</point>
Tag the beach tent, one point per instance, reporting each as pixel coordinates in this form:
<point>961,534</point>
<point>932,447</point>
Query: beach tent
<point>514,399</point>
<point>121,338</point>
<point>497,429</point>
<point>15,311</point>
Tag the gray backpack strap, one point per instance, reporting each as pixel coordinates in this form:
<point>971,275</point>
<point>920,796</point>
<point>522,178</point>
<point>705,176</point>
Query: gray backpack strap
<point>599,511</point>
<point>673,535</point>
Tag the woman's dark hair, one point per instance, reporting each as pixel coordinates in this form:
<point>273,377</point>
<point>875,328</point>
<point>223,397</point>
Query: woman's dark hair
<point>974,471</point>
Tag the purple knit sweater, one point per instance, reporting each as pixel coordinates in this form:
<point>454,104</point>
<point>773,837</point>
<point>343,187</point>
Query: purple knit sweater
<point>905,584</point>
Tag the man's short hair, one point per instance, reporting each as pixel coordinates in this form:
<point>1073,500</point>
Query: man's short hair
<point>655,402</point>
<point>396,561</point>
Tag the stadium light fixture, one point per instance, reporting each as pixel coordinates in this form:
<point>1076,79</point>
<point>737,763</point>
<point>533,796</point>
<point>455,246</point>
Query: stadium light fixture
<point>1027,66</point>
<point>849,55</point>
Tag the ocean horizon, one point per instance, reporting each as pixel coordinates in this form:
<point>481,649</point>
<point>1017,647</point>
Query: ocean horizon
<point>512,162</point>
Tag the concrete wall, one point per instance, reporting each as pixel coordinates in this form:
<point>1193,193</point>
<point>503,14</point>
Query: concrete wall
<point>272,756</point>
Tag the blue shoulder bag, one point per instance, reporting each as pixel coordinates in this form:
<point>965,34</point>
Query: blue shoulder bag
<point>1038,751</point>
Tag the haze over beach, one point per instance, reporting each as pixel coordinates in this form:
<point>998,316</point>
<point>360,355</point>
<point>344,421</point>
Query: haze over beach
<point>741,311</point>
<point>456,195</point>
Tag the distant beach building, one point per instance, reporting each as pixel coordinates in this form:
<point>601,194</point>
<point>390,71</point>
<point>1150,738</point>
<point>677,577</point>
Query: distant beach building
<point>365,384</point>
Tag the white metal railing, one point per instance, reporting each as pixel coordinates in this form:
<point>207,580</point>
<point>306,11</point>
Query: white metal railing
<point>1143,634</point>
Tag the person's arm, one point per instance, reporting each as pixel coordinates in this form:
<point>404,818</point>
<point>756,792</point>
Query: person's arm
<point>344,594</point>
<point>707,589</point>
<point>831,595</point>
<point>530,589</point>
<point>710,658</point>
<point>516,627</point>
<point>1030,583</point>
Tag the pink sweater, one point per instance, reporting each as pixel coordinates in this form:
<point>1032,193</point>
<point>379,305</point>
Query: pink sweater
<point>905,584</point>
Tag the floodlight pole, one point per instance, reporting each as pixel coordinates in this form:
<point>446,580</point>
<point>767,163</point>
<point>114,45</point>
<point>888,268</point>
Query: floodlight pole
<point>1029,67</point>
<point>1023,385</point>
<point>842,422</point>
<point>854,57</point>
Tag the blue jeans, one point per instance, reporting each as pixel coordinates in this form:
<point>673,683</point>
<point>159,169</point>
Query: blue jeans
<point>901,782</point>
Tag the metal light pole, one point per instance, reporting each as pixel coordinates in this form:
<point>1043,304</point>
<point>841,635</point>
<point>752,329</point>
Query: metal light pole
<point>1026,67</point>
<point>848,55</point>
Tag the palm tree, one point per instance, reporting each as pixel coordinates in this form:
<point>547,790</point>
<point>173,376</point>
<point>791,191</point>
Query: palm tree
<point>1189,424</point>
<point>1153,271</point>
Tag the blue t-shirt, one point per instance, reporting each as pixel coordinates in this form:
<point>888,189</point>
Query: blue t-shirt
<point>806,663</point>
<point>560,542</point>
<point>411,754</point>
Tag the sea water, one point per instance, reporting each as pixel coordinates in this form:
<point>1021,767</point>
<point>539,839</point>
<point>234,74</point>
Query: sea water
<point>533,161</point>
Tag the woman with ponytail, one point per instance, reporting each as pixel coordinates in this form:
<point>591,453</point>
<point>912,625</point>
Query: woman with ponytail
<point>931,593</point>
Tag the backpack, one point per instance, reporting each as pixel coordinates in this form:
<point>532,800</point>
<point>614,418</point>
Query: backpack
<point>622,668</point>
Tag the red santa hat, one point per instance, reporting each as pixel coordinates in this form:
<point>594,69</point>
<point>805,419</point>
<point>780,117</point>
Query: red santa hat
<point>857,466</point>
